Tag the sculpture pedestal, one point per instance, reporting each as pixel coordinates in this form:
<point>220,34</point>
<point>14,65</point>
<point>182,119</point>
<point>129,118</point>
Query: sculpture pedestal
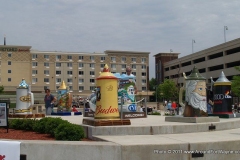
<point>192,119</point>
<point>236,115</point>
<point>106,122</point>
<point>26,115</point>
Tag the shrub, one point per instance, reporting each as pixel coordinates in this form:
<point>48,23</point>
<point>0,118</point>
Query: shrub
<point>40,125</point>
<point>69,132</point>
<point>52,124</point>
<point>15,123</point>
<point>156,113</point>
<point>28,124</point>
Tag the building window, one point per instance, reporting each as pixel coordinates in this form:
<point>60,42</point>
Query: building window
<point>81,88</point>
<point>58,57</point>
<point>134,66</point>
<point>92,58</point>
<point>80,65</point>
<point>34,56</point>
<point>69,72</point>
<point>92,80</point>
<point>46,64</point>
<point>81,80</point>
<point>80,58</point>
<point>92,73</point>
<point>102,65</point>
<point>124,66</point>
<point>34,71</point>
<point>144,74</point>
<point>92,65</point>
<point>58,64</point>
<point>34,64</point>
<point>69,64</point>
<point>144,67</point>
<point>92,88</point>
<point>34,80</point>
<point>46,72</point>
<point>133,60</point>
<point>46,56</point>
<point>69,57</point>
<point>46,80</point>
<point>102,58</point>
<point>143,60</point>
<point>9,79</point>
<point>144,88</point>
<point>9,71</point>
<point>58,80</point>
<point>144,81</point>
<point>113,59</point>
<point>113,66</point>
<point>9,63</point>
<point>81,73</point>
<point>134,73</point>
<point>69,80</point>
<point>70,88</point>
<point>58,72</point>
<point>9,54</point>
<point>123,59</point>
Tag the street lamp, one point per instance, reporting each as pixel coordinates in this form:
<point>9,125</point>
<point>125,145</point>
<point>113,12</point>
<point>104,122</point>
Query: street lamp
<point>193,41</point>
<point>224,29</point>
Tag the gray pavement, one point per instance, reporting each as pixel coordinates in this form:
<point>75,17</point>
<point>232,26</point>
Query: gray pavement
<point>154,138</point>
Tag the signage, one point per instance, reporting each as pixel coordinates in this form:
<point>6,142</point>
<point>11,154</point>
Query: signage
<point>127,115</point>
<point>3,114</point>
<point>109,110</point>
<point>7,148</point>
<point>25,98</point>
<point>222,99</point>
<point>11,49</point>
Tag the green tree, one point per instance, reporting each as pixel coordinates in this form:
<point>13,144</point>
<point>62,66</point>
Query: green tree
<point>152,84</point>
<point>236,83</point>
<point>169,90</point>
<point>1,89</point>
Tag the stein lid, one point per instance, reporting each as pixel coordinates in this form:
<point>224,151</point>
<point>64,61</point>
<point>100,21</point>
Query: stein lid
<point>195,75</point>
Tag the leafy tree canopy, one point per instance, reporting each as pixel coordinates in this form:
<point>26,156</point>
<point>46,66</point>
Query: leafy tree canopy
<point>169,90</point>
<point>1,89</point>
<point>152,84</point>
<point>236,83</point>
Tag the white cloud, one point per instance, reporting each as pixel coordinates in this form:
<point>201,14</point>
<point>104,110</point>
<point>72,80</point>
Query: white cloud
<point>139,25</point>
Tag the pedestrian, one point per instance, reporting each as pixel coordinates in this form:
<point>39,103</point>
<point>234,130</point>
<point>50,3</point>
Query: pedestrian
<point>49,100</point>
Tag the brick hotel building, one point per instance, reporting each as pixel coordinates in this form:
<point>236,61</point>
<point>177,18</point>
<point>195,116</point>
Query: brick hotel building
<point>43,69</point>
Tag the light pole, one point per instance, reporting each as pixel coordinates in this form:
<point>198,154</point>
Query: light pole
<point>224,29</point>
<point>193,41</point>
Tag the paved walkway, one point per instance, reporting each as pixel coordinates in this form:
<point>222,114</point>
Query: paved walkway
<point>154,138</point>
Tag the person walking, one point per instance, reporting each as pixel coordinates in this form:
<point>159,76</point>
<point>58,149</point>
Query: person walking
<point>49,99</point>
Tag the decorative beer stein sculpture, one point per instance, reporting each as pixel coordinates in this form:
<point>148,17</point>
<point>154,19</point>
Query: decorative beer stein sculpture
<point>106,96</point>
<point>195,95</point>
<point>222,96</point>
<point>64,98</point>
<point>25,98</point>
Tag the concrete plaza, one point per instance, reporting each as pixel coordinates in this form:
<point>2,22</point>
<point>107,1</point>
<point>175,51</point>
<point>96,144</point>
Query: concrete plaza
<point>146,138</point>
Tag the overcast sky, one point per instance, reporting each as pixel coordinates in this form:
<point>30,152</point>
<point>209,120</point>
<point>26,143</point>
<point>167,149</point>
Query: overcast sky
<point>131,25</point>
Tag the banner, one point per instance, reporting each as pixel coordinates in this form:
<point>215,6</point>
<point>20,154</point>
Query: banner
<point>9,150</point>
<point>3,114</point>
